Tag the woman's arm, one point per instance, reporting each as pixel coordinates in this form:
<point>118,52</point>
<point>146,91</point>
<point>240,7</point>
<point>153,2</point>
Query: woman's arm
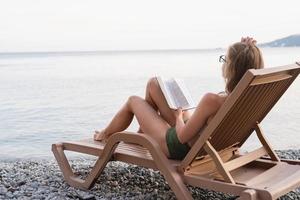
<point>208,106</point>
<point>187,114</point>
<point>179,121</point>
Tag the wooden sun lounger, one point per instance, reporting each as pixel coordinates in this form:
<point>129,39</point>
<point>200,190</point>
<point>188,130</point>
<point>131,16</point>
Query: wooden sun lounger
<point>214,161</point>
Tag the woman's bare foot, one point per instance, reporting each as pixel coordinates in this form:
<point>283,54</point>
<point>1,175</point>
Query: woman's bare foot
<point>100,135</point>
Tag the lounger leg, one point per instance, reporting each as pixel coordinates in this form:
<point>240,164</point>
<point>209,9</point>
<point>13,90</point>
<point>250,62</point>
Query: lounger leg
<point>253,194</point>
<point>248,194</point>
<point>68,174</point>
<point>74,180</point>
<point>100,164</point>
<point>175,182</point>
<point>64,166</point>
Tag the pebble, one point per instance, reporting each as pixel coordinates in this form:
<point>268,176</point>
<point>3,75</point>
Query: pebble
<point>3,190</point>
<point>25,179</point>
<point>20,183</point>
<point>85,195</point>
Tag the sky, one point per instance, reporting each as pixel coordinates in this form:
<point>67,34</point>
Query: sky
<point>88,25</point>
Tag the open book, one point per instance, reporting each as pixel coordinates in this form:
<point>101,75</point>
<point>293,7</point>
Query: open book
<point>176,93</point>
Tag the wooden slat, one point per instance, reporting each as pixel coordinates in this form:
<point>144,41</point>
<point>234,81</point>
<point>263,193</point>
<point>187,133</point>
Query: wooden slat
<point>95,148</point>
<point>264,80</point>
<point>258,103</point>
<point>245,159</point>
<point>83,147</point>
<point>278,172</point>
<point>209,183</point>
<point>241,117</point>
<point>266,144</point>
<point>261,106</point>
<point>218,162</point>
<point>222,153</point>
<point>279,93</point>
<point>133,150</point>
<point>257,106</point>
<point>270,71</point>
<point>244,115</point>
<point>224,128</point>
<point>235,125</point>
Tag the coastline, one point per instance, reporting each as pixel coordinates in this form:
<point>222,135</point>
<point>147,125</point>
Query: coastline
<point>42,179</point>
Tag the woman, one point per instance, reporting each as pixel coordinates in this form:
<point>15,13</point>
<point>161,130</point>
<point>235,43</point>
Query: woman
<point>167,126</point>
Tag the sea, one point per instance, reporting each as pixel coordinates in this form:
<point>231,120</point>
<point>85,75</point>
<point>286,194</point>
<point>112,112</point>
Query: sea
<point>49,97</point>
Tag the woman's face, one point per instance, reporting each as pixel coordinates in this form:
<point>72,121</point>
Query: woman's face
<point>223,70</point>
<point>224,66</point>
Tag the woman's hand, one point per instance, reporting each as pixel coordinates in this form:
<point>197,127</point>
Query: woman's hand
<point>179,113</point>
<point>248,40</point>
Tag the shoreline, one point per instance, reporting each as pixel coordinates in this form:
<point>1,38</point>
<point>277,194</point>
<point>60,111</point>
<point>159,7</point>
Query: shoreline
<point>42,179</point>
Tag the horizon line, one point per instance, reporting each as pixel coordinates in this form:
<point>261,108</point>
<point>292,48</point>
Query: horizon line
<point>66,52</point>
<point>109,51</point>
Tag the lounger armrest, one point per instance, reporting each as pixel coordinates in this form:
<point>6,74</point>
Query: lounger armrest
<point>144,140</point>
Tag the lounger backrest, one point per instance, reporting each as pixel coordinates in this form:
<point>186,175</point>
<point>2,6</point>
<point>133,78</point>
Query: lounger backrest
<point>254,96</point>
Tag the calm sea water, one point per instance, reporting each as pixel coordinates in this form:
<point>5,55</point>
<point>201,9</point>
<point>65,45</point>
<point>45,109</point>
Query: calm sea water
<point>47,98</point>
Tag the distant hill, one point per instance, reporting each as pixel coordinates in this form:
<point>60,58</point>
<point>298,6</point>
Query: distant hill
<point>290,41</point>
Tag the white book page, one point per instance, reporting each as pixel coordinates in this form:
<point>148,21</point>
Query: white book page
<point>176,93</point>
<point>187,102</point>
<point>164,85</point>
<point>180,94</point>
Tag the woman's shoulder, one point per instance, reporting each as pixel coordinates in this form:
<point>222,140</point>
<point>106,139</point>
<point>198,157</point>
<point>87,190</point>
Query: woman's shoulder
<point>213,98</point>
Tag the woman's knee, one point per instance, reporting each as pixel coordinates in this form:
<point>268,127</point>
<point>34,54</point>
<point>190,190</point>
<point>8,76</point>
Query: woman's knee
<point>133,100</point>
<point>152,84</point>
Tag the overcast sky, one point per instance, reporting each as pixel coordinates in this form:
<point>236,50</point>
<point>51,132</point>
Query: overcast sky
<point>62,25</point>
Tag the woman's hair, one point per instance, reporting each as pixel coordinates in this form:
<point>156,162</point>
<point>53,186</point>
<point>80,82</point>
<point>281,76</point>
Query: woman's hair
<point>241,57</point>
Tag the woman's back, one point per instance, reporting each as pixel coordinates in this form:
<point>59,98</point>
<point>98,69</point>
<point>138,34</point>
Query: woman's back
<point>219,98</point>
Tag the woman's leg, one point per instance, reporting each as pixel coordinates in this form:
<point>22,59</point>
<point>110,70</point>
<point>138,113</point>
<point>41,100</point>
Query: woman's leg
<point>156,99</point>
<point>150,122</point>
<point>149,99</point>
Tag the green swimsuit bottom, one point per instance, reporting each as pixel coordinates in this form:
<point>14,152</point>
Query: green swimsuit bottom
<point>176,149</point>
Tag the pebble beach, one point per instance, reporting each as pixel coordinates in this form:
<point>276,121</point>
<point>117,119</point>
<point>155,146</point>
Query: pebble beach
<point>42,179</point>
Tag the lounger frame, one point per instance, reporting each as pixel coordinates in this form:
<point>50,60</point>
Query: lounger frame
<point>214,161</point>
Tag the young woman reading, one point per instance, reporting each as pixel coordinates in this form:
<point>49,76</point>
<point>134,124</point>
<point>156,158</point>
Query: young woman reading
<point>176,131</point>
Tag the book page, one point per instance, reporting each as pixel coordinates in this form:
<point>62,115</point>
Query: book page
<point>188,101</point>
<point>164,85</point>
<point>177,94</point>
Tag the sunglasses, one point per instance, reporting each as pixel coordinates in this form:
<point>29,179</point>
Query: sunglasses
<point>222,59</point>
